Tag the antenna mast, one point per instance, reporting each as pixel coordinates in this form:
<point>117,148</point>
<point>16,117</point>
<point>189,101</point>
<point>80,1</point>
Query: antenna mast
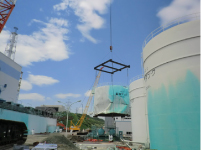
<point>11,45</point>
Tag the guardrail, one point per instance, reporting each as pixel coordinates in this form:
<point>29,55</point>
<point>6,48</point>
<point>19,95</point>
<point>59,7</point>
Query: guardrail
<point>137,77</point>
<point>110,83</point>
<point>175,22</point>
<point>28,110</point>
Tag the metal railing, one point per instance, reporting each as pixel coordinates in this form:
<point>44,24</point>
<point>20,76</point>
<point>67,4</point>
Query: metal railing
<point>136,78</point>
<point>175,22</point>
<point>110,83</point>
<point>28,110</point>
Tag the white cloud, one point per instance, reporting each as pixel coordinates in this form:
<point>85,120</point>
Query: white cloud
<point>32,96</point>
<point>88,93</point>
<point>80,110</point>
<point>48,98</point>
<point>61,6</point>
<point>25,85</point>
<point>47,43</point>
<point>63,96</point>
<point>5,34</point>
<point>88,12</point>
<point>37,80</point>
<point>60,22</point>
<point>82,40</point>
<point>41,9</point>
<point>41,80</point>
<point>178,8</point>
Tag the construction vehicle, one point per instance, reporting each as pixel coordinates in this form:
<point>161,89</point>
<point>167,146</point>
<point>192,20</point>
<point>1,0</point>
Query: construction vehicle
<point>79,123</point>
<point>11,131</point>
<point>6,7</point>
<point>61,125</point>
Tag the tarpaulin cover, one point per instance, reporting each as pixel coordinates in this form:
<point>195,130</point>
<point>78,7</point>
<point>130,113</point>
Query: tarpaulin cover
<point>111,100</point>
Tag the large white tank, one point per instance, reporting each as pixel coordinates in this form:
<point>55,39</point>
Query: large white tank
<point>9,78</point>
<point>172,80</point>
<point>111,100</point>
<point>139,122</point>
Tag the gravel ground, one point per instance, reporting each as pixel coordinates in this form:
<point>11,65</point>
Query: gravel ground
<point>62,141</point>
<point>55,138</point>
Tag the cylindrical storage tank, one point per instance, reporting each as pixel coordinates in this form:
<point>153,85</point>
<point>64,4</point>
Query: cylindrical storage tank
<point>172,80</point>
<point>111,100</point>
<point>112,132</point>
<point>101,132</point>
<point>137,93</point>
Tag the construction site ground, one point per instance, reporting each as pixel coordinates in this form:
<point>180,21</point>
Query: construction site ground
<point>72,142</point>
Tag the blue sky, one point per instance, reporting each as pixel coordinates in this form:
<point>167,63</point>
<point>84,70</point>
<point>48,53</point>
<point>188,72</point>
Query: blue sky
<point>60,42</point>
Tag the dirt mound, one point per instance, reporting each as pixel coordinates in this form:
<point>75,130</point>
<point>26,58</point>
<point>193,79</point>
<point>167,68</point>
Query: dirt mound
<point>77,138</point>
<point>62,141</point>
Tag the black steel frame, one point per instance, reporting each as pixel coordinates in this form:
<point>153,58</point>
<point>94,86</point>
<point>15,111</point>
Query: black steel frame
<point>115,69</point>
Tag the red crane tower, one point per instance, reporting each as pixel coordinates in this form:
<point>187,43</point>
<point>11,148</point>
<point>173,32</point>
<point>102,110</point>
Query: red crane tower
<point>6,7</point>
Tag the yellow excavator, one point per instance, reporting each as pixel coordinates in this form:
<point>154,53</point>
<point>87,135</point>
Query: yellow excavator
<point>79,123</point>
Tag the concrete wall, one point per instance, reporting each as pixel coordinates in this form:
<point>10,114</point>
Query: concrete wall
<point>60,107</point>
<point>109,122</point>
<point>10,75</point>
<point>124,126</point>
<point>39,124</point>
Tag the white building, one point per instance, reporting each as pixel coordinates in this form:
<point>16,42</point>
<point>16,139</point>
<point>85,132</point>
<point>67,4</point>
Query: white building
<point>10,73</point>
<point>57,108</point>
<point>123,124</point>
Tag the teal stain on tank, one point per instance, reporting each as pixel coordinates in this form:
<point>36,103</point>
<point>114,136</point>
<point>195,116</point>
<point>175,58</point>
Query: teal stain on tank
<point>119,97</point>
<point>174,115</point>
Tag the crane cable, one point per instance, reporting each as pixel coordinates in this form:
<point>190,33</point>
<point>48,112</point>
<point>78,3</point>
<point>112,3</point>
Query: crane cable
<point>111,48</point>
<point>111,26</point>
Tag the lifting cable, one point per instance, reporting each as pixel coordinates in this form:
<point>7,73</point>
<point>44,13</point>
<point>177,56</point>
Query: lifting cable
<point>114,69</point>
<point>111,49</point>
<point>111,25</point>
<point>111,39</point>
<point>127,78</point>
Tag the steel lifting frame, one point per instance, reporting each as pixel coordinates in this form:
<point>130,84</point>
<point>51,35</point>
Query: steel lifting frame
<point>115,69</point>
<point>5,12</point>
